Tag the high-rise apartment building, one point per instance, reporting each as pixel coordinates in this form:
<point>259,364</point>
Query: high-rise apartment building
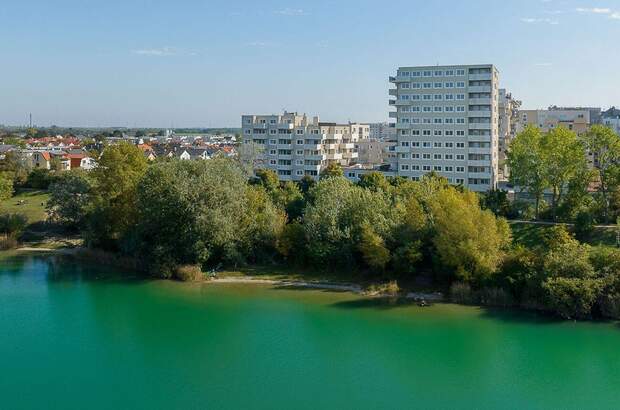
<point>578,119</point>
<point>295,145</point>
<point>508,120</point>
<point>447,122</point>
<point>611,119</point>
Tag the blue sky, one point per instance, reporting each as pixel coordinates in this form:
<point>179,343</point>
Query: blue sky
<point>204,63</point>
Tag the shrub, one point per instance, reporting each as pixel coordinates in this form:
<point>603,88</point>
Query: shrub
<point>520,209</point>
<point>461,293</point>
<point>609,299</point>
<point>495,296</point>
<point>189,273</point>
<point>385,289</point>
<point>8,242</point>
<point>584,225</point>
<point>12,224</point>
<point>572,298</point>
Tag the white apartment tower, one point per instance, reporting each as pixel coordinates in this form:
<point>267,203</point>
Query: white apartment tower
<point>447,122</point>
<point>295,145</point>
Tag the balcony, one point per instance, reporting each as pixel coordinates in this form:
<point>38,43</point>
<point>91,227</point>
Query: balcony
<point>350,155</point>
<point>348,145</point>
<point>331,146</point>
<point>313,147</point>
<point>393,91</point>
<point>400,148</point>
<point>334,156</point>
<point>480,101</point>
<point>315,157</point>
<point>392,114</point>
<point>480,113</point>
<point>476,126</point>
<point>392,102</point>
<point>286,126</point>
<point>392,79</point>
<point>398,103</point>
<point>403,126</point>
<point>284,146</point>
<point>480,77</point>
<point>479,89</point>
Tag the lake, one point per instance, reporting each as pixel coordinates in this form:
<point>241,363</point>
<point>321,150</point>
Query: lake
<point>78,337</point>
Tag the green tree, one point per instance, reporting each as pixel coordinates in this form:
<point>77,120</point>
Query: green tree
<point>527,167</point>
<point>70,198</point>
<point>604,145</point>
<point>373,249</point>
<point>333,169</point>
<point>563,158</point>
<point>572,298</point>
<point>6,187</point>
<point>468,239</point>
<point>374,181</point>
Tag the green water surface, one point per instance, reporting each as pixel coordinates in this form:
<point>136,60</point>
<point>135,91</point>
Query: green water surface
<point>74,337</point>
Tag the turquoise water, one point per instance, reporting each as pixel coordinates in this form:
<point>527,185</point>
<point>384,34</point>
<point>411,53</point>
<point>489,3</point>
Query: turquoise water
<point>72,337</point>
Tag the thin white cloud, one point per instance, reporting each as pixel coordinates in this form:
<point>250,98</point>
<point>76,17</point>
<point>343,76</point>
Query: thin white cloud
<point>615,15</point>
<point>163,52</point>
<point>594,10</point>
<point>260,44</point>
<point>291,12</point>
<point>532,20</point>
<point>158,52</point>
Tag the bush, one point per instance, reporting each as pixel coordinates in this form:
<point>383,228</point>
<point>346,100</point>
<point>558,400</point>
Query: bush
<point>461,293</point>
<point>12,224</point>
<point>521,210</point>
<point>386,289</point>
<point>189,273</point>
<point>609,299</point>
<point>584,225</point>
<point>495,296</point>
<point>572,298</point>
<point>8,242</point>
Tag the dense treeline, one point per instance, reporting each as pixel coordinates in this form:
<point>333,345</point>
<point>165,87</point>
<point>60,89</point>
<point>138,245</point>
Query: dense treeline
<point>178,216</point>
<point>579,174</point>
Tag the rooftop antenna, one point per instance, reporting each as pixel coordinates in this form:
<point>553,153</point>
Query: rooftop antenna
<point>30,116</point>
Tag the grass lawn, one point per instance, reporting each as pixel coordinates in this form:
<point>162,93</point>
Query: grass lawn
<point>33,206</point>
<point>530,235</point>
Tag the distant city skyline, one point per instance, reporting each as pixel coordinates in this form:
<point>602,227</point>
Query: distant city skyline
<point>205,63</point>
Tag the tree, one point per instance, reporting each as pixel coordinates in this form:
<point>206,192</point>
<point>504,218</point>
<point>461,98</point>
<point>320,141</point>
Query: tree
<point>115,179</point>
<point>373,250</point>
<point>468,239</point>
<point>604,145</point>
<point>563,158</point>
<point>527,168</point>
<point>572,298</point>
<point>333,169</point>
<point>374,181</point>
<point>70,198</point>
<point>6,187</point>
<point>497,202</point>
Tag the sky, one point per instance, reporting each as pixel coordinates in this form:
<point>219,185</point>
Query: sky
<point>199,63</point>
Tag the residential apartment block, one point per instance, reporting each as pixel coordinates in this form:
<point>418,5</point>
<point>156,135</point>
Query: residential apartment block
<point>294,145</point>
<point>611,119</point>
<point>577,119</point>
<point>447,122</point>
<point>508,125</point>
<point>382,131</point>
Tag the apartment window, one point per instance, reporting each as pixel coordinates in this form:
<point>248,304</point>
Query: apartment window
<point>449,145</point>
<point>428,109</point>
<point>404,143</point>
<point>427,97</point>
<point>460,169</point>
<point>315,132</point>
<point>415,85</point>
<point>404,156</point>
<point>272,162</point>
<point>460,120</point>
<point>460,96</point>
<point>437,133</point>
<point>427,73</point>
<point>415,144</point>
<point>248,132</point>
<point>272,121</point>
<point>426,144</point>
<point>460,133</point>
<point>300,132</point>
<point>449,97</point>
<point>449,169</point>
<point>299,172</point>
<point>426,121</point>
<point>438,97</point>
<point>273,142</point>
<point>460,84</point>
<point>415,132</point>
<point>449,133</point>
<point>415,73</point>
<point>449,108</point>
<point>405,109</point>
<point>437,168</point>
<point>300,142</point>
<point>428,85</point>
<point>460,181</point>
<point>415,120</point>
<point>415,97</point>
<point>415,168</point>
<point>460,145</point>
<point>272,152</point>
<point>437,144</point>
<point>438,121</point>
<point>449,120</point>
<point>449,85</point>
<point>460,157</point>
<point>405,85</point>
<point>438,73</point>
<point>404,97</point>
<point>426,168</point>
<point>437,156</point>
<point>415,156</point>
<point>426,133</point>
<point>460,108</point>
<point>299,162</point>
<point>438,85</point>
<point>404,132</point>
<point>300,152</point>
<point>426,156</point>
<point>404,73</point>
<point>460,72</point>
<point>415,109</point>
<point>404,167</point>
<point>272,132</point>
